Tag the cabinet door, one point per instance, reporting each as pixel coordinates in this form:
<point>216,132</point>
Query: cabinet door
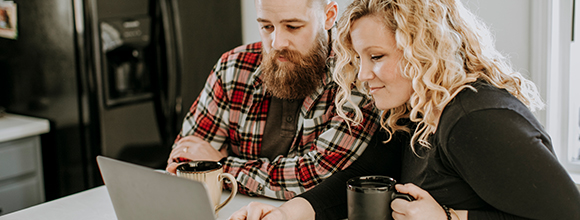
<point>21,179</point>
<point>17,158</point>
<point>20,194</point>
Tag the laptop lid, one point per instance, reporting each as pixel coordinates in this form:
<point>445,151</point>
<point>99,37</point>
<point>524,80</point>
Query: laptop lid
<point>139,192</point>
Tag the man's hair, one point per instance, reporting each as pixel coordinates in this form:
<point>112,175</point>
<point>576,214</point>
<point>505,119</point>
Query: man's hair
<point>318,3</point>
<point>445,48</point>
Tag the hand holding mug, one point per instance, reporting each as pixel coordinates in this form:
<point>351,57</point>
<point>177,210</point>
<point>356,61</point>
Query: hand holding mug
<point>370,197</point>
<point>424,206</point>
<point>192,148</point>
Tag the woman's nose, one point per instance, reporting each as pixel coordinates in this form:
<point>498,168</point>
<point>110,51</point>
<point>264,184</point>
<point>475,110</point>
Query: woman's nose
<point>365,73</point>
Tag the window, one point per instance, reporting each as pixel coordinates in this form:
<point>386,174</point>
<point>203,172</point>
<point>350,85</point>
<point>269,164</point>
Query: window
<point>574,91</point>
<point>563,83</point>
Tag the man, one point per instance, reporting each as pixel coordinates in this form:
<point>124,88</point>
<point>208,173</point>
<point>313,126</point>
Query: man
<point>267,110</point>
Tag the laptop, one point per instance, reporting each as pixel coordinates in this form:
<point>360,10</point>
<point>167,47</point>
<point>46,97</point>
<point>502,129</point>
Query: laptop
<point>139,192</point>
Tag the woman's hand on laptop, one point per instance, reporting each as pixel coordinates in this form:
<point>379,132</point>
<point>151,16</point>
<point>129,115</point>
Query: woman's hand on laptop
<point>256,211</point>
<point>295,209</point>
<point>192,148</point>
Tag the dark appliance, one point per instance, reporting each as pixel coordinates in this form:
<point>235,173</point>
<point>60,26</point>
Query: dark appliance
<point>114,78</point>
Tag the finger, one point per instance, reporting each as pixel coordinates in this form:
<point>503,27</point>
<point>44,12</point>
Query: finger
<point>241,214</point>
<point>183,150</point>
<point>269,216</point>
<point>184,153</point>
<point>191,138</point>
<point>257,210</point>
<point>397,215</point>
<point>172,167</point>
<point>255,214</point>
<point>186,142</point>
<point>192,141</point>
<point>171,158</point>
<point>413,190</point>
<point>176,150</point>
<point>399,206</point>
<point>224,152</point>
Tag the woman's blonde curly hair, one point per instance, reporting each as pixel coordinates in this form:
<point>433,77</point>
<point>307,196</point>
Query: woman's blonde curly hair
<point>445,48</point>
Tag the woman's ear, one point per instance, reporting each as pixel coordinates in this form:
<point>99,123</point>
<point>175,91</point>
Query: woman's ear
<point>331,12</point>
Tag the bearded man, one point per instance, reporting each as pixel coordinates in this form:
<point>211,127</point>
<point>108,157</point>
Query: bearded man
<point>267,111</point>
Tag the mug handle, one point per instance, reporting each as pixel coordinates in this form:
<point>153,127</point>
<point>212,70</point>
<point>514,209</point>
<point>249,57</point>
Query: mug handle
<point>403,196</point>
<point>232,193</point>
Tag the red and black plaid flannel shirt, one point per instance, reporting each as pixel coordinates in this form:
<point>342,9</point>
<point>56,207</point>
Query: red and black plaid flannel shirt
<point>231,112</point>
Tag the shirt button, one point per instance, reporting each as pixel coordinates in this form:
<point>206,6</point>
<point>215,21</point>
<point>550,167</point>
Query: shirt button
<point>289,119</point>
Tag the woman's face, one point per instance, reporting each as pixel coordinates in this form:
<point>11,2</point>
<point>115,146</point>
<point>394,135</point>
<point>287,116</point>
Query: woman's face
<point>379,63</point>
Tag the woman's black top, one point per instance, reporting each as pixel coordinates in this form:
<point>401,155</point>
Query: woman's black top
<point>489,156</point>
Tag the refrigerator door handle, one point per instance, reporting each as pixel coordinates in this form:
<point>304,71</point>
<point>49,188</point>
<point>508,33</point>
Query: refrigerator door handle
<point>173,59</point>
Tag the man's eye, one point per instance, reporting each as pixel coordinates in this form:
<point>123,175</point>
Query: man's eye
<point>267,27</point>
<point>293,27</point>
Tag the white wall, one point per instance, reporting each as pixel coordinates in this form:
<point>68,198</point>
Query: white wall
<point>509,21</point>
<point>250,26</point>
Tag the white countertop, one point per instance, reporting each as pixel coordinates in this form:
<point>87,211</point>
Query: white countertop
<point>17,126</point>
<point>94,204</point>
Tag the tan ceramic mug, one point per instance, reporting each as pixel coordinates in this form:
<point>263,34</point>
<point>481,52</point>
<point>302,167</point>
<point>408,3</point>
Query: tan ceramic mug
<point>212,174</point>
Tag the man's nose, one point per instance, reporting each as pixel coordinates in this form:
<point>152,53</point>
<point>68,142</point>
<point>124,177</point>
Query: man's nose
<point>280,40</point>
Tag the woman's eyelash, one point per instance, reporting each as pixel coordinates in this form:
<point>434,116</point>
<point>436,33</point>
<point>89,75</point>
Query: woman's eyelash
<point>376,57</point>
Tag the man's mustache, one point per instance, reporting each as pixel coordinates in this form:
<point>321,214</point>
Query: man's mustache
<point>290,55</point>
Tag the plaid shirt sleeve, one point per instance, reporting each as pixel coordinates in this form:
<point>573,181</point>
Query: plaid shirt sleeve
<point>231,112</point>
<point>210,115</point>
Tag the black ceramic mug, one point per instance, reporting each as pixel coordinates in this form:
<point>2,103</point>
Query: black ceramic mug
<point>370,197</point>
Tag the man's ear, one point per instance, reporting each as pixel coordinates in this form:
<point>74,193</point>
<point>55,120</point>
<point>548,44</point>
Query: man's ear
<point>331,12</point>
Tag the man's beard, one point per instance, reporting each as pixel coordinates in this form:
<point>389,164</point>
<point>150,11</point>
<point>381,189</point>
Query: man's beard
<point>300,75</point>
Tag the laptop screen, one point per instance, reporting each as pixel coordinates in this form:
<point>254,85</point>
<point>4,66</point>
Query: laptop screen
<point>143,193</point>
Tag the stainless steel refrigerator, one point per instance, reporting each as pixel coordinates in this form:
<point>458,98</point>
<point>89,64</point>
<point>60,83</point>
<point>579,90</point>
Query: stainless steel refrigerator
<point>114,78</point>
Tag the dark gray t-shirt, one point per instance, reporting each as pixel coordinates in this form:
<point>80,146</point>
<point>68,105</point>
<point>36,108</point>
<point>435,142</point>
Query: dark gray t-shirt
<point>281,127</point>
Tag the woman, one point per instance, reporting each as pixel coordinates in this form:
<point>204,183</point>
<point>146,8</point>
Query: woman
<point>475,150</point>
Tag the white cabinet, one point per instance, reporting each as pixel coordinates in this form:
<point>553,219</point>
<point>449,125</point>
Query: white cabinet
<point>21,179</point>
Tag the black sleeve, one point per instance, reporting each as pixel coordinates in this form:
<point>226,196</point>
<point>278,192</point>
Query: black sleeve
<point>508,162</point>
<point>329,197</point>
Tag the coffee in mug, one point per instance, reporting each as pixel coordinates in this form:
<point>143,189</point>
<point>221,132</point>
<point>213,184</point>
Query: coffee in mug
<point>212,174</point>
<point>370,197</point>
